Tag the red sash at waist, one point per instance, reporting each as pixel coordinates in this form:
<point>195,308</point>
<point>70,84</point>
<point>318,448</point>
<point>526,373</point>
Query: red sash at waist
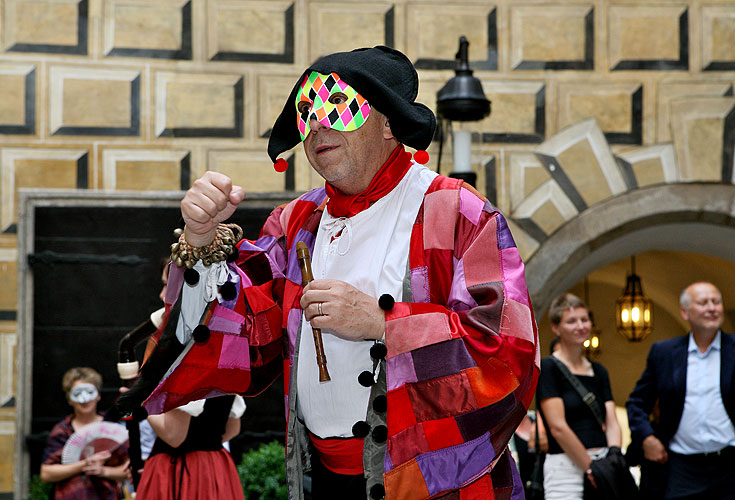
<point>341,456</point>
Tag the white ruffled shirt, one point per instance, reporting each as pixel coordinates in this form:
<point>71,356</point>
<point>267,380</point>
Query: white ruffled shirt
<point>370,252</point>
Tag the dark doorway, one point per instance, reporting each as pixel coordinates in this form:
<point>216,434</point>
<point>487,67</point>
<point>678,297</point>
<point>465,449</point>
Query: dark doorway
<point>96,275</point>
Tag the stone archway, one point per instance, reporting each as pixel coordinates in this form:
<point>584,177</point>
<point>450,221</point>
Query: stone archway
<point>696,217</point>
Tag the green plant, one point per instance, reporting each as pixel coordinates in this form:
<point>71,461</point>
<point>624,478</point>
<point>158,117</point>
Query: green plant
<point>263,472</point>
<point>37,489</point>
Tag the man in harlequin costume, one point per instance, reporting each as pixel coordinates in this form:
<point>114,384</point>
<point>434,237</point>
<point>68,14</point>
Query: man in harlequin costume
<point>418,290</point>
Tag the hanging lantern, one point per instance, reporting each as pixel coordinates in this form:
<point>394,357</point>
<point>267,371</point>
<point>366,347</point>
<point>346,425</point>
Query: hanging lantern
<point>633,311</point>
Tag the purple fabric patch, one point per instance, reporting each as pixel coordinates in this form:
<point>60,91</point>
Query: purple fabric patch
<point>175,282</point>
<point>441,360</point>
<point>315,195</point>
<point>387,463</point>
<point>488,207</point>
<point>293,273</point>
<point>292,327</point>
<point>399,371</point>
<point>470,206</point>
<point>514,278</point>
<point>449,468</point>
<point>230,304</point>
<point>518,492</point>
<point>476,423</point>
<point>459,298</point>
<point>420,284</point>
<point>235,353</point>
<point>258,246</point>
<point>505,239</point>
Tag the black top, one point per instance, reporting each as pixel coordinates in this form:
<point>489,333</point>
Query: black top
<point>205,431</point>
<point>579,416</point>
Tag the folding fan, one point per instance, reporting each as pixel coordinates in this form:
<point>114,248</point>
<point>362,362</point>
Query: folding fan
<point>93,438</point>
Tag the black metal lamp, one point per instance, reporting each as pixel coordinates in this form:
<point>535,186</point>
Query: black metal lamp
<point>462,99</point>
<point>633,310</point>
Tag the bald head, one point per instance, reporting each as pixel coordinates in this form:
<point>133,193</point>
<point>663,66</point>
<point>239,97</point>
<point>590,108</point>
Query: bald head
<point>701,305</point>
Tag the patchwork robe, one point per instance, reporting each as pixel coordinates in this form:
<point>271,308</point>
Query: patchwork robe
<point>462,348</point>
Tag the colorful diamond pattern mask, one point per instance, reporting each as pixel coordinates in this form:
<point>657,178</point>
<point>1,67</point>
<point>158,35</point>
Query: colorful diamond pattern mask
<point>332,102</point>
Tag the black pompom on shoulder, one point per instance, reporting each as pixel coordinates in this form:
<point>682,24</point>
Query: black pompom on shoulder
<point>366,379</point>
<point>191,276</point>
<point>377,491</point>
<point>380,434</point>
<point>228,290</point>
<point>201,334</point>
<point>380,404</point>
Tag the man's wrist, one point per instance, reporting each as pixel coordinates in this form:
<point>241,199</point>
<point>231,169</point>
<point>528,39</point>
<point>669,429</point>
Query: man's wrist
<point>199,240</point>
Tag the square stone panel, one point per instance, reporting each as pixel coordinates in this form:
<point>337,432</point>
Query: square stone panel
<point>50,26</point>
<point>18,106</point>
<point>703,131</point>
<point>87,101</point>
<point>8,276</point>
<point>552,37</point>
<point>651,165</point>
<point>272,93</point>
<point>251,169</point>
<point>527,174</point>
<point>146,169</point>
<point>343,26</point>
<point>718,38</point>
<point>256,31</point>
<point>37,168</point>
<point>668,91</point>
<point>518,112</point>
<point>648,37</point>
<point>140,28</point>
<point>617,108</point>
<point>199,105</point>
<point>433,45</point>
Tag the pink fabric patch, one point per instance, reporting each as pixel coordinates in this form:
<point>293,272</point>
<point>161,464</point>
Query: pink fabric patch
<point>440,209</point>
<point>515,321</point>
<point>235,353</point>
<point>514,278</point>
<point>470,206</point>
<point>226,321</point>
<point>175,281</point>
<point>459,298</point>
<point>399,371</point>
<point>481,261</point>
<point>411,332</point>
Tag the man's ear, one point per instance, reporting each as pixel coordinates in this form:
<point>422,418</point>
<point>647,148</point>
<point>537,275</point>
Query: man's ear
<point>387,132</point>
<point>684,314</point>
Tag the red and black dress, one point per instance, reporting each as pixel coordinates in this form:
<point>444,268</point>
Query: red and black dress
<point>199,468</point>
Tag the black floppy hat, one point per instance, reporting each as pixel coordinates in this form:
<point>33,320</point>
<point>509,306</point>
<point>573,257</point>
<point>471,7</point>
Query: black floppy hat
<point>383,76</point>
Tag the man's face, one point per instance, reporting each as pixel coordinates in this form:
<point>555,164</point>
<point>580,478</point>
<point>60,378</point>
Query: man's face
<point>347,159</point>
<point>705,311</point>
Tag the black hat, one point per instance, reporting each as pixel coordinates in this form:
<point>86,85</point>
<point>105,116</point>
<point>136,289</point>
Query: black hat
<point>383,76</point>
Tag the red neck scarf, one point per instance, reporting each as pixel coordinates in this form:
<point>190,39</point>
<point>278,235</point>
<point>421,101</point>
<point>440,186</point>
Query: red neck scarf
<point>388,177</point>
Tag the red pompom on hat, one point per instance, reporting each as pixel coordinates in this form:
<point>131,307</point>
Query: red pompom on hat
<point>421,157</point>
<point>280,165</point>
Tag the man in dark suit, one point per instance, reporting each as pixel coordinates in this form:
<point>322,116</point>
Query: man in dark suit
<point>691,377</point>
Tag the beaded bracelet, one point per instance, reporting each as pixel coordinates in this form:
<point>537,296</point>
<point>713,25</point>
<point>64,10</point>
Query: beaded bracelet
<point>223,245</point>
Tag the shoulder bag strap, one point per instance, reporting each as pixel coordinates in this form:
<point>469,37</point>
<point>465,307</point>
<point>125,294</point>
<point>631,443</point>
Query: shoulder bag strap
<point>587,396</point>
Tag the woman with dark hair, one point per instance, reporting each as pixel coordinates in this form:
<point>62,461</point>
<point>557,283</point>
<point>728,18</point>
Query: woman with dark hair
<point>579,430</point>
<point>92,477</point>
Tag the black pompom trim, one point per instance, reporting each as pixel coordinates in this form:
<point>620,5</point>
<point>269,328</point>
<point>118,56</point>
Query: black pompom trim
<point>386,302</point>
<point>378,351</point>
<point>140,414</point>
<point>191,276</point>
<point>380,434</point>
<point>380,404</point>
<point>377,491</point>
<point>234,255</point>
<point>361,429</point>
<point>228,290</point>
<point>201,334</point>
<point>366,379</point>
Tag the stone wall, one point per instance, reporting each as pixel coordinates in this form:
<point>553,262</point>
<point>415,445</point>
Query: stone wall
<point>590,99</point>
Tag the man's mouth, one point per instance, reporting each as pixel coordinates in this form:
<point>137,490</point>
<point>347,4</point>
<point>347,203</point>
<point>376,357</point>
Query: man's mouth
<point>323,148</point>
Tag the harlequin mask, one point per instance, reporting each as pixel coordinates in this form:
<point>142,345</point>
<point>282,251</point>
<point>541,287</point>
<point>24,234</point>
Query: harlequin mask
<point>331,101</point>
<point>83,393</point>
